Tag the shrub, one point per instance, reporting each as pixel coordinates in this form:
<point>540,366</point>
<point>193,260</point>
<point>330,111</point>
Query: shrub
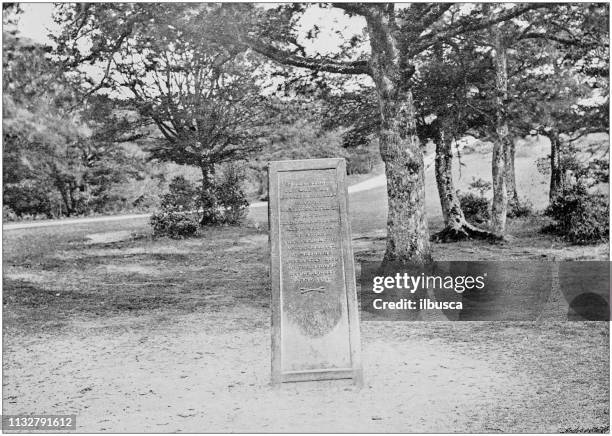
<point>481,186</point>
<point>181,196</point>
<point>360,161</point>
<point>8,214</point>
<point>27,197</point>
<point>475,208</point>
<point>580,217</point>
<point>518,208</point>
<point>176,225</point>
<point>223,202</point>
<point>230,197</point>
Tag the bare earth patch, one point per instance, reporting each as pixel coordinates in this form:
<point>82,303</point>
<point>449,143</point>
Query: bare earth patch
<point>203,373</point>
<point>109,237</point>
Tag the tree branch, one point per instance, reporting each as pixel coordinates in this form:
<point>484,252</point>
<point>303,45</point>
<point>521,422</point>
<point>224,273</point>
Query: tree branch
<point>95,54</point>
<point>433,15</point>
<point>537,35</point>
<point>466,25</point>
<point>323,64</point>
<point>353,8</point>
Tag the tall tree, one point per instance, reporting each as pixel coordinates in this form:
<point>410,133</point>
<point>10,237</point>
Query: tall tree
<point>448,86</point>
<point>501,144</point>
<point>396,36</point>
<point>202,96</point>
<point>517,47</point>
<point>562,84</point>
<point>55,162</point>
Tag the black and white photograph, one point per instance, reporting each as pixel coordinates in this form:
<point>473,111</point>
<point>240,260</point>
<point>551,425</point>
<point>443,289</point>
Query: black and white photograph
<point>305,217</point>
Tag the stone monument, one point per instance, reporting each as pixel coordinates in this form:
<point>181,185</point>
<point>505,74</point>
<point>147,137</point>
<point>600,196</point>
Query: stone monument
<point>315,319</point>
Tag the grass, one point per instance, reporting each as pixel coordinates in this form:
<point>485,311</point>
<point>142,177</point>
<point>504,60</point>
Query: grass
<point>52,276</point>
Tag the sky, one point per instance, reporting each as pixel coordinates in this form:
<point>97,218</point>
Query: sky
<point>35,22</point>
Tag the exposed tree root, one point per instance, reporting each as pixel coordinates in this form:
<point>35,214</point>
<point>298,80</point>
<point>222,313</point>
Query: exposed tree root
<point>457,231</point>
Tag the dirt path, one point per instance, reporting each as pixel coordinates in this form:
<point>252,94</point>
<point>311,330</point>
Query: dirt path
<point>209,373</point>
<point>186,379</point>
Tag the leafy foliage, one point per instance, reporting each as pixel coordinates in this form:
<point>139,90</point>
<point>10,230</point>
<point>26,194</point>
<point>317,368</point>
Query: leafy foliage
<point>475,208</point>
<point>292,135</point>
<point>560,85</point>
<point>201,94</point>
<point>231,199</point>
<point>519,208</point>
<point>27,198</point>
<point>57,146</point>
<point>581,217</point>
<point>181,196</point>
<point>582,166</point>
<point>224,203</point>
<point>361,161</point>
<point>175,225</point>
<point>453,87</point>
<point>8,214</point>
<point>480,185</point>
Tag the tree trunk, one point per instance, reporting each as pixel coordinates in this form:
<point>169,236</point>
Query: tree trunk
<point>451,208</point>
<point>262,183</point>
<point>557,179</point>
<point>500,194</point>
<point>455,225</point>
<point>510,172</point>
<point>74,203</point>
<point>60,184</point>
<point>64,195</point>
<point>407,230</point>
<point>208,201</point>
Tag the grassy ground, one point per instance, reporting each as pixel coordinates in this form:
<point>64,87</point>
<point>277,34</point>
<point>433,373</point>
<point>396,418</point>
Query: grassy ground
<point>54,276</point>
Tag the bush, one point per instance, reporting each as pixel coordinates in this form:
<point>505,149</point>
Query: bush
<point>223,202</point>
<point>475,208</point>
<point>176,225</point>
<point>232,204</point>
<point>519,208</point>
<point>8,214</point>
<point>182,196</point>
<point>481,186</point>
<point>360,161</point>
<point>27,197</point>
<point>580,217</point>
